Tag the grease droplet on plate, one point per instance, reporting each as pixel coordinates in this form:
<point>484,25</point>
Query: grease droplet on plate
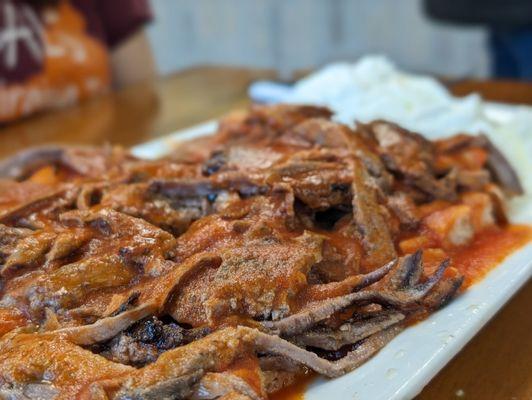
<point>473,308</point>
<point>448,338</point>
<point>400,354</point>
<point>445,336</point>
<point>391,373</point>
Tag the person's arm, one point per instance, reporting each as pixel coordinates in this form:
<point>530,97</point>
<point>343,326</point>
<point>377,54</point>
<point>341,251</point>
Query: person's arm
<point>132,61</point>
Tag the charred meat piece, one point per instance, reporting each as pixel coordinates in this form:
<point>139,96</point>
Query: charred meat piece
<point>144,341</point>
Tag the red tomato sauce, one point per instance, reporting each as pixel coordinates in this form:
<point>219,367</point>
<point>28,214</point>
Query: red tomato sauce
<point>489,249</point>
<point>295,391</point>
<point>474,261</point>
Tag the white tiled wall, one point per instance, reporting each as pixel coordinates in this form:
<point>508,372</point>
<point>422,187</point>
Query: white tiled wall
<point>293,34</point>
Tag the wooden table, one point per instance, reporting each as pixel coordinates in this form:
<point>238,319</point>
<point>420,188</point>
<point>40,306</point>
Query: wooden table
<point>495,365</point>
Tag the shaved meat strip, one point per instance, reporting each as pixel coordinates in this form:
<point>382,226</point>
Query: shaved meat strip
<point>28,251</point>
<point>176,388</point>
<point>85,161</point>
<point>502,169</point>
<point>53,361</point>
<point>347,333</point>
<point>258,280</point>
<point>30,160</point>
<point>369,221</point>
<point>106,328</point>
<point>352,360</point>
<point>220,385</point>
<point>411,156</point>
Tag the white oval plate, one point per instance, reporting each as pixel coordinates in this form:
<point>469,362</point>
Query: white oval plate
<point>402,368</point>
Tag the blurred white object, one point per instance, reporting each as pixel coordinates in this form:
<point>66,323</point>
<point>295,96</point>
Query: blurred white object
<point>373,88</point>
<point>267,92</point>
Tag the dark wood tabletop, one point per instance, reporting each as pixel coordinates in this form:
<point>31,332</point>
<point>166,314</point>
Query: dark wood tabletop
<point>495,365</point>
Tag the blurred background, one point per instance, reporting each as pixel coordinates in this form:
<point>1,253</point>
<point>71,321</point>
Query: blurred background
<point>150,67</point>
<point>306,34</point>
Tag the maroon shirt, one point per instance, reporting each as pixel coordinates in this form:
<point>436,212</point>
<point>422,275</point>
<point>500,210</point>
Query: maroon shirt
<point>24,53</point>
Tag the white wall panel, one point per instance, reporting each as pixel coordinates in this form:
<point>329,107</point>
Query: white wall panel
<point>294,34</point>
